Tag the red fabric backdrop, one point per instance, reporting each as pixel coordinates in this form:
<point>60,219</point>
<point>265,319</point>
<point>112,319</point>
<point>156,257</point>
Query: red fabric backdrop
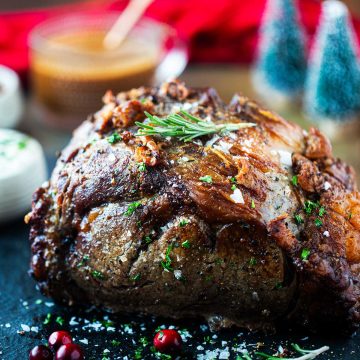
<point>217,31</point>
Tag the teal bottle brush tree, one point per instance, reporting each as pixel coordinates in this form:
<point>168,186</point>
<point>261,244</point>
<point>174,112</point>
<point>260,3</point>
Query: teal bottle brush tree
<point>332,89</point>
<point>279,72</point>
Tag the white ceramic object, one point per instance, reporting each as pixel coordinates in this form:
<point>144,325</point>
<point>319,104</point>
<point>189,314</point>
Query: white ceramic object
<point>23,169</point>
<point>11,102</point>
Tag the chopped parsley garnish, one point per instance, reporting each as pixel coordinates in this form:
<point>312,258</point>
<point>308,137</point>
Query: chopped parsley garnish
<point>138,353</point>
<point>186,244</point>
<point>115,343</point>
<point>141,166</point>
<point>252,261</point>
<point>144,341</point>
<point>136,277</point>
<point>294,180</point>
<point>318,222</point>
<point>22,144</point>
<point>183,222</point>
<point>107,323</point>
<point>84,260</point>
<point>350,215</point>
<point>206,179</point>
<point>309,206</point>
<point>114,138</point>
<point>60,320</point>
<point>167,263</point>
<point>252,204</point>
<point>279,285</point>
<point>132,207</point>
<point>322,211</point>
<point>147,239</point>
<point>298,218</point>
<point>47,319</point>
<point>97,275</point>
<point>233,180</point>
<point>219,261</point>
<point>305,252</point>
<point>233,187</point>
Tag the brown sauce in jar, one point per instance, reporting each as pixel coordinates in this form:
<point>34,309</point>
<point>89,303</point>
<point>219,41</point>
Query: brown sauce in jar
<point>73,73</point>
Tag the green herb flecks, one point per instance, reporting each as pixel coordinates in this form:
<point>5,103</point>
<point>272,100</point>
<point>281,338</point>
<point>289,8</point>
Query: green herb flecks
<point>141,167</point>
<point>186,244</point>
<point>183,222</point>
<point>167,263</point>
<point>84,260</point>
<point>252,204</point>
<point>184,126</point>
<point>107,323</point>
<point>131,208</point>
<point>147,239</point>
<point>305,252</point>
<point>294,180</point>
<point>318,222</point>
<point>144,341</point>
<point>310,206</point>
<point>136,277</point>
<point>115,343</point>
<point>114,138</point>
<point>252,261</point>
<point>298,218</point>
<point>138,353</point>
<point>206,179</point>
<point>97,275</point>
<point>233,187</point>
<point>322,211</point>
<point>22,144</point>
<point>59,320</point>
<point>47,319</point>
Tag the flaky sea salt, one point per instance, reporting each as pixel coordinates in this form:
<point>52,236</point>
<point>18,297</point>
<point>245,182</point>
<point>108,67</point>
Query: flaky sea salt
<point>178,274</point>
<point>285,157</point>
<point>327,185</point>
<point>326,233</point>
<point>237,197</point>
<point>25,327</point>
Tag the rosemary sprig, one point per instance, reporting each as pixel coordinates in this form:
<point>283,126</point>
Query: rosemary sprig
<point>184,126</point>
<point>305,354</point>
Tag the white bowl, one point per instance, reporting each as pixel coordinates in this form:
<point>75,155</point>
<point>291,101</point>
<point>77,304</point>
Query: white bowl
<point>11,102</point>
<point>23,169</point>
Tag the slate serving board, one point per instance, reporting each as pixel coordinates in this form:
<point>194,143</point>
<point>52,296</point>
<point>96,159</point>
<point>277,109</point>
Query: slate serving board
<point>27,319</point>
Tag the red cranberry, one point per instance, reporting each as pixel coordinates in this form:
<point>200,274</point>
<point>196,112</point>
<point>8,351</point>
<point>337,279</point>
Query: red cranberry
<point>69,352</point>
<point>40,352</point>
<point>58,338</point>
<point>167,341</point>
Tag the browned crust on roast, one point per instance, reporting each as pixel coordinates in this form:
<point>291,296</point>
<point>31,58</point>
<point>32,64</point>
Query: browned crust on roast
<point>93,180</point>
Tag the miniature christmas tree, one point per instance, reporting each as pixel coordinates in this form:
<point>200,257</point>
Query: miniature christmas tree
<point>332,89</point>
<point>281,64</point>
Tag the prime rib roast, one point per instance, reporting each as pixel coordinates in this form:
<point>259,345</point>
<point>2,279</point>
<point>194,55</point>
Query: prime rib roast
<point>125,222</point>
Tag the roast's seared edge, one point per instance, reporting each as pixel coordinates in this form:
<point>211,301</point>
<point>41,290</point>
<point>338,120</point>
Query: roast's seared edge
<point>249,227</point>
